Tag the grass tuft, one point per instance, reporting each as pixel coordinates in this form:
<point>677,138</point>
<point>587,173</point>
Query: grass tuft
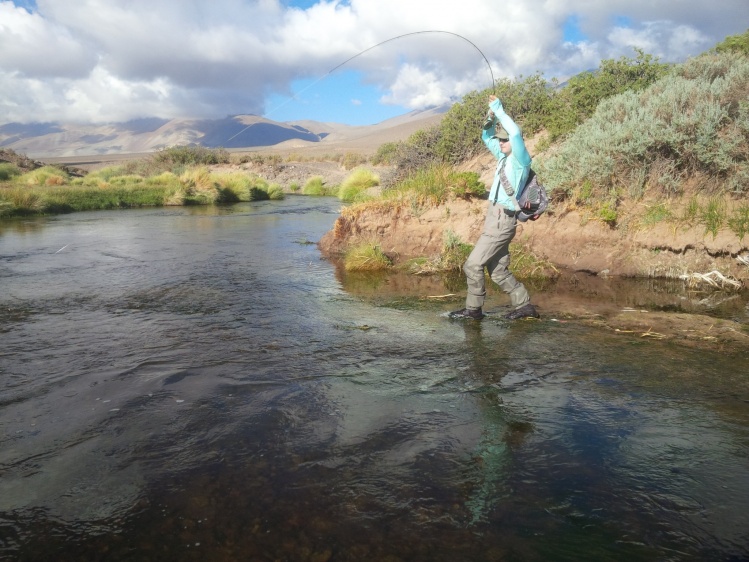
<point>353,187</point>
<point>46,175</point>
<point>366,256</point>
<point>8,171</point>
<point>316,186</point>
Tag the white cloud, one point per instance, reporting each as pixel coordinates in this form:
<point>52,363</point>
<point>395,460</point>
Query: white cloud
<point>34,47</point>
<point>92,60</point>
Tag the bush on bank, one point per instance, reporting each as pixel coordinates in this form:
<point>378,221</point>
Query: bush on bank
<point>689,130</point>
<point>535,103</point>
<point>186,181</point>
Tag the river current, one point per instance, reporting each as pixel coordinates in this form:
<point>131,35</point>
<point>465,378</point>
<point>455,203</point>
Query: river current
<point>199,384</point>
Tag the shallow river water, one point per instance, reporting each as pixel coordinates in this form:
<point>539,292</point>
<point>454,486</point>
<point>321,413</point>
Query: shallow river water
<point>198,384</point>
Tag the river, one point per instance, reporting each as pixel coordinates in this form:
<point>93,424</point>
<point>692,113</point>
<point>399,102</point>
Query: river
<point>197,383</point>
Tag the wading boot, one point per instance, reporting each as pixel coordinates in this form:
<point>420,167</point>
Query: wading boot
<point>525,311</point>
<point>466,314</point>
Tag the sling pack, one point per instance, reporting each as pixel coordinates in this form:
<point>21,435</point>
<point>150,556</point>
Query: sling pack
<point>533,200</point>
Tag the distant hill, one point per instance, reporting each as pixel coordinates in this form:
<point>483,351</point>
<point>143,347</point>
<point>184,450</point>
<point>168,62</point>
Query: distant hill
<point>58,140</point>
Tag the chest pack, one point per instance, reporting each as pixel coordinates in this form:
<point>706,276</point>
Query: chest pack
<point>533,199</point>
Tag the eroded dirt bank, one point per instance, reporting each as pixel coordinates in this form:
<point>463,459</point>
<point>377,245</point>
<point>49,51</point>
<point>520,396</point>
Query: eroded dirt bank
<point>568,240</point>
<point>590,256</point>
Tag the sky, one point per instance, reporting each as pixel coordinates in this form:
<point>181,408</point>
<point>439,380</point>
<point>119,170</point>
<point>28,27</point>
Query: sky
<point>356,62</point>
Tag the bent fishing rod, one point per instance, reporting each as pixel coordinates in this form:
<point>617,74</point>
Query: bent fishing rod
<point>332,70</point>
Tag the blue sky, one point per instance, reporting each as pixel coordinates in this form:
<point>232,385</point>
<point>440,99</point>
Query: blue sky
<point>89,61</point>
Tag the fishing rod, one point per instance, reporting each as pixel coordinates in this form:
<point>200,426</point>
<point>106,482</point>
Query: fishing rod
<point>332,70</point>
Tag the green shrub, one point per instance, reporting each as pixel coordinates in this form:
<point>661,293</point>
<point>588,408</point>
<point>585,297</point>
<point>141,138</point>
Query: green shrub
<point>532,102</point>
<point>419,151</point>
<point>351,160</point>
<point>608,214</point>
<point>582,94</point>
<point>692,119</point>
<point>386,154</point>
<point>735,43</point>
<point>8,171</point>
<point>184,156</point>
<point>527,100</point>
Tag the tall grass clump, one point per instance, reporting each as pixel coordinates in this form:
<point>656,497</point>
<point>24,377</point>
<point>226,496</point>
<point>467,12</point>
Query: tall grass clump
<point>693,122</point>
<point>454,252</point>
<point>197,187</point>
<point>451,258</point>
<point>275,192</point>
<point>527,265</point>
<point>70,199</point>
<point>366,256</point>
<point>354,186</point>
<point>435,185</point>
<point>316,186</point>
<point>20,201</point>
<point>8,171</point>
<point>739,221</point>
<point>233,187</point>
<point>46,175</point>
<point>714,215</point>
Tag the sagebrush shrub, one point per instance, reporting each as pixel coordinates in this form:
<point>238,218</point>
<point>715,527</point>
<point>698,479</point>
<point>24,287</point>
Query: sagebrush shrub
<point>691,121</point>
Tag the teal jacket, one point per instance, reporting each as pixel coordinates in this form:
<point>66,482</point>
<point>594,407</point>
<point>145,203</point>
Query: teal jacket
<point>518,164</point>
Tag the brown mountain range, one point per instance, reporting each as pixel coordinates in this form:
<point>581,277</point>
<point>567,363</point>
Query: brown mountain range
<point>49,141</point>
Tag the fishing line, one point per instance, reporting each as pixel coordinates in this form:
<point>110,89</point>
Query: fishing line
<point>332,70</point>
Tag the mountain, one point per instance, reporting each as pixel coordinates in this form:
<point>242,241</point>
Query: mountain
<point>44,140</point>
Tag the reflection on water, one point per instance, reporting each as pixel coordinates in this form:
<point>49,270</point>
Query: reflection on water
<point>197,384</point>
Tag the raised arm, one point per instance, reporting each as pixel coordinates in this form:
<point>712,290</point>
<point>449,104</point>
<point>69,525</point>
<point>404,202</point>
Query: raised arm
<point>516,137</point>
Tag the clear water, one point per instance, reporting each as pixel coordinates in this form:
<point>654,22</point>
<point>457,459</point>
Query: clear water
<point>198,384</point>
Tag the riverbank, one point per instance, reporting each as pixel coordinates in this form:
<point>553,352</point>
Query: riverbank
<point>589,254</point>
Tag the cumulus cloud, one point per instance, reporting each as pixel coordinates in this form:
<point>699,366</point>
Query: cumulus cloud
<point>34,47</point>
<point>94,61</point>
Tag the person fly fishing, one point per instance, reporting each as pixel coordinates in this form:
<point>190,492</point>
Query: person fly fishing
<point>492,251</point>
